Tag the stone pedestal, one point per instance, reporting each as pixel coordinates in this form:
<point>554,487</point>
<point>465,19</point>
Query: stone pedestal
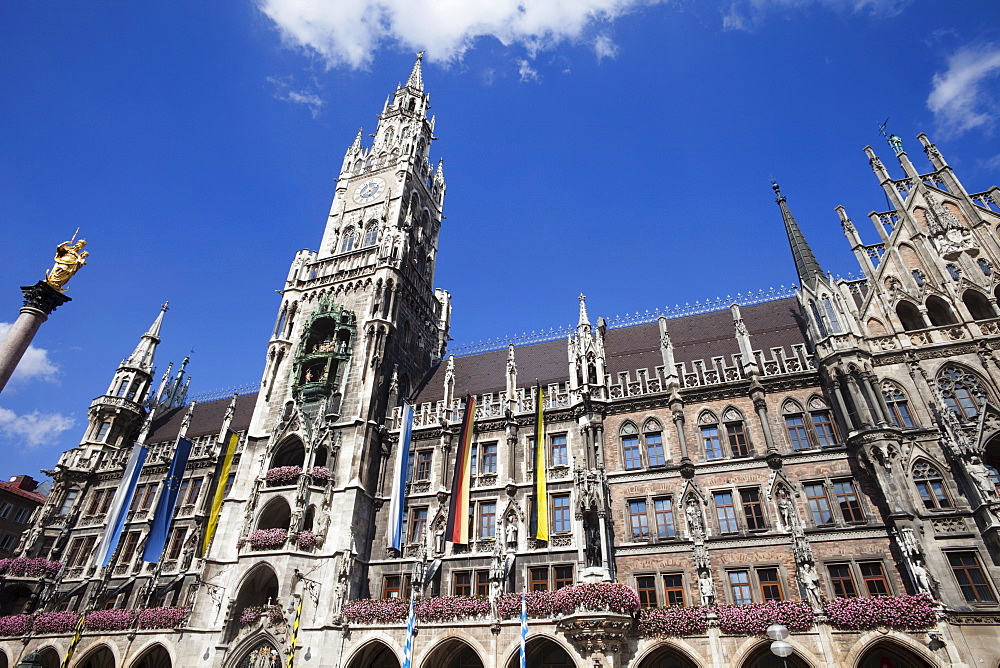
<point>40,300</point>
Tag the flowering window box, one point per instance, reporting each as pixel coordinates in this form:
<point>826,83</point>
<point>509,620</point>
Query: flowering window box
<point>672,621</point>
<point>892,612</point>
<point>55,622</point>
<point>261,613</point>
<point>320,474</point>
<point>161,618</point>
<point>305,540</point>
<point>753,619</point>
<point>15,625</point>
<point>114,619</point>
<point>282,475</point>
<point>268,539</point>
<point>28,567</point>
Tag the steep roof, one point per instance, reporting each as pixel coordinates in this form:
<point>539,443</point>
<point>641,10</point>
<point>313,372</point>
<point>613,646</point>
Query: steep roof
<point>773,324</point>
<point>207,419</point>
<point>12,488</point>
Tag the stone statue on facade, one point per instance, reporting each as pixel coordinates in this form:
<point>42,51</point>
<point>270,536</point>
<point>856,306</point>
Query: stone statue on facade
<point>896,144</point>
<point>510,531</point>
<point>706,588</point>
<point>496,584</point>
<point>692,512</point>
<point>922,579</point>
<point>810,581</point>
<point>69,258</point>
<point>981,477</point>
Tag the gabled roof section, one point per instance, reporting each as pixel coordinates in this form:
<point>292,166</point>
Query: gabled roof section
<point>207,419</point>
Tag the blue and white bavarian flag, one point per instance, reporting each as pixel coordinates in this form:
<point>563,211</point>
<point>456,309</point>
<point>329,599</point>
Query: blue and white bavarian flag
<point>396,502</point>
<point>411,624</point>
<point>524,630</point>
<point>119,507</point>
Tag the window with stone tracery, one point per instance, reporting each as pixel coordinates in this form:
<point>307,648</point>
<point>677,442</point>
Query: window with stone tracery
<point>962,391</point>
<point>371,235</point>
<point>930,486</point>
<point>347,243</point>
<point>896,402</point>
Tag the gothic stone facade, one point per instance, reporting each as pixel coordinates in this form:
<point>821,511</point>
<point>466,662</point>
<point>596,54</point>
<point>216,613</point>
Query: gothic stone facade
<point>840,442</point>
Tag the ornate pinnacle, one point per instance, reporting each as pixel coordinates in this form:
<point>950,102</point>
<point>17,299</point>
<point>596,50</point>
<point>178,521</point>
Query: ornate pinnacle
<point>416,79</point>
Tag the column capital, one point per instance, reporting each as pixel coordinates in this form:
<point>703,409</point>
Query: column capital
<point>43,297</point>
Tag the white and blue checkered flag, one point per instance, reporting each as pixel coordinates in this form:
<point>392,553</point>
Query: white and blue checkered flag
<point>411,624</point>
<point>524,630</point>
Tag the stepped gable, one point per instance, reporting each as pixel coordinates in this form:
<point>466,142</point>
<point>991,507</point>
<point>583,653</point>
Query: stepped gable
<point>774,324</point>
<point>207,419</point>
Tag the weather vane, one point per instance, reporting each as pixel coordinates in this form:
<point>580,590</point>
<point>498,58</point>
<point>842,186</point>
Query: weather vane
<point>894,142</point>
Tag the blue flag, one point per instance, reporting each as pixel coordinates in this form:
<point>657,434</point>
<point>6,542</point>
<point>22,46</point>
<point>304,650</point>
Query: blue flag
<point>119,507</point>
<point>395,535</point>
<point>411,624</point>
<point>524,630</point>
<point>163,515</point>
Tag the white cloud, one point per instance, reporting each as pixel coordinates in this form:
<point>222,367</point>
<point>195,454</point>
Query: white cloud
<point>605,47</point>
<point>283,91</point>
<point>958,99</point>
<point>33,429</point>
<point>527,72</point>
<point>35,364</point>
<point>349,32</point>
<point>748,14</point>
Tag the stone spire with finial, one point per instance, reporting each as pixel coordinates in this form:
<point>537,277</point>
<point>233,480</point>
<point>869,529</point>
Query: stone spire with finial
<point>806,264</point>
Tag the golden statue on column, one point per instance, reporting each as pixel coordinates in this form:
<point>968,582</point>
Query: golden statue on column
<point>69,258</point>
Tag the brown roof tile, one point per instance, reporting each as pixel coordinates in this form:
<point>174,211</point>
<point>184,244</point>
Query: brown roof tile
<point>207,419</point>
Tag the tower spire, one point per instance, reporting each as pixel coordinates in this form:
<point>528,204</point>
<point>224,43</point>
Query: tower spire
<point>806,264</point>
<point>416,79</point>
<point>142,357</point>
<point>584,319</point>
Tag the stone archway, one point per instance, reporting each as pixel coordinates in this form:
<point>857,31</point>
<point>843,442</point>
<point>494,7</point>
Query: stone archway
<point>374,654</point>
<point>49,658</point>
<point>887,654</point>
<point>259,588</point>
<point>263,654</point>
<point>291,452</point>
<point>762,658</point>
<point>156,656</point>
<point>452,653</point>
<point>98,657</point>
<point>666,656</point>
<point>543,652</point>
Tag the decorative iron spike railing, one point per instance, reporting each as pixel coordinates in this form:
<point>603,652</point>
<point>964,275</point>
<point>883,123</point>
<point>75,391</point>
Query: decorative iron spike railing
<point>628,320</point>
<point>225,393</point>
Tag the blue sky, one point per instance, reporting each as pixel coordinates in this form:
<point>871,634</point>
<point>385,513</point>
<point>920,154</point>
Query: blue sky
<point>613,147</point>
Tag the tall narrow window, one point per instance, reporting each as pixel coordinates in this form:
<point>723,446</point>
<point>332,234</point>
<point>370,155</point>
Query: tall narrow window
<point>418,523</point>
<point>930,486</point>
<point>753,512</point>
<point>371,235</point>
<point>874,577</point>
<point>819,504</point>
<point>726,512</point>
<point>654,449</point>
<point>424,465</point>
<point>630,450</point>
<point>347,244</point>
<point>843,583</point>
<point>487,520</point>
<point>738,443</point>
<point>638,520</point>
<point>560,513</point>
<point>710,439</point>
<point>899,409</point>
<point>824,428</point>
<point>102,431</point>
<point>795,424</point>
<point>489,458</point>
<point>962,392</point>
<point>560,455</point>
<point>770,585</point>
<point>646,587</point>
<point>664,512</point>
<point>971,578</point>
<point>177,537</point>
<point>739,586</point>
<point>847,499</point>
<point>482,583</point>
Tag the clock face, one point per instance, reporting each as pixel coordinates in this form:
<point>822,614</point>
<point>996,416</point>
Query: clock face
<point>369,190</point>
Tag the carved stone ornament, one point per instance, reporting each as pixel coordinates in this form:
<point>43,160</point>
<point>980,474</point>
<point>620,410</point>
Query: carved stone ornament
<point>597,631</point>
<point>43,297</point>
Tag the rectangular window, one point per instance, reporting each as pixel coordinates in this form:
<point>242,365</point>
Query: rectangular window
<point>68,501</point>
<point>539,579</point>
<point>971,578</point>
<point>563,576</point>
<point>140,491</point>
<point>819,505</point>
<point>482,583</point>
<point>874,577</point>
<point>664,512</point>
<point>487,520</point>
<point>654,449</point>
<point>796,427</point>
<point>7,542</point>
<point>391,587</point>
<point>646,586</point>
<point>753,512</point>
<point>560,513</point>
<point>843,583</point>
<point>824,428</point>
<point>21,517</point>
<point>673,589</point>
<point>462,584</point>
<point>92,509</point>
<point>418,522</point>
<point>409,466</point>
<point>630,448</point>
<point>770,585</point>
<point>5,510</point>
<point>177,537</point>
<point>725,512</point>
<point>102,431</point>
<point>847,499</point>
<point>128,547</point>
<point>192,496</point>
<point>424,465</point>
<point>739,586</point>
<point>230,480</point>
<point>473,459</point>
<point>489,458</point>
<point>738,443</point>
<point>560,454</point>
<point>638,520</point>
<point>710,439</point>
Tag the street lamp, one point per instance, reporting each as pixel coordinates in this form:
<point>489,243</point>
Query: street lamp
<point>777,633</point>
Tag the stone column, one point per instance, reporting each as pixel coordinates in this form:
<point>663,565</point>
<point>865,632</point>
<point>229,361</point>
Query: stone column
<point>40,300</point>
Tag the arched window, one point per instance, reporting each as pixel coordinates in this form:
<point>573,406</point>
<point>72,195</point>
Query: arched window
<point>387,137</point>
<point>831,315</point>
<point>631,454</point>
<point>897,404</point>
<point>711,441</point>
<point>818,319</point>
<point>371,235</point>
<point>347,244</point>
<point>736,433</point>
<point>938,312</point>
<point>652,434</point>
<point>930,486</point>
<point>962,391</point>
<point>979,306</point>
<point>909,316</point>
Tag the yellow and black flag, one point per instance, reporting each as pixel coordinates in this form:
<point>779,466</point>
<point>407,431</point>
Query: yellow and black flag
<point>540,508</point>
